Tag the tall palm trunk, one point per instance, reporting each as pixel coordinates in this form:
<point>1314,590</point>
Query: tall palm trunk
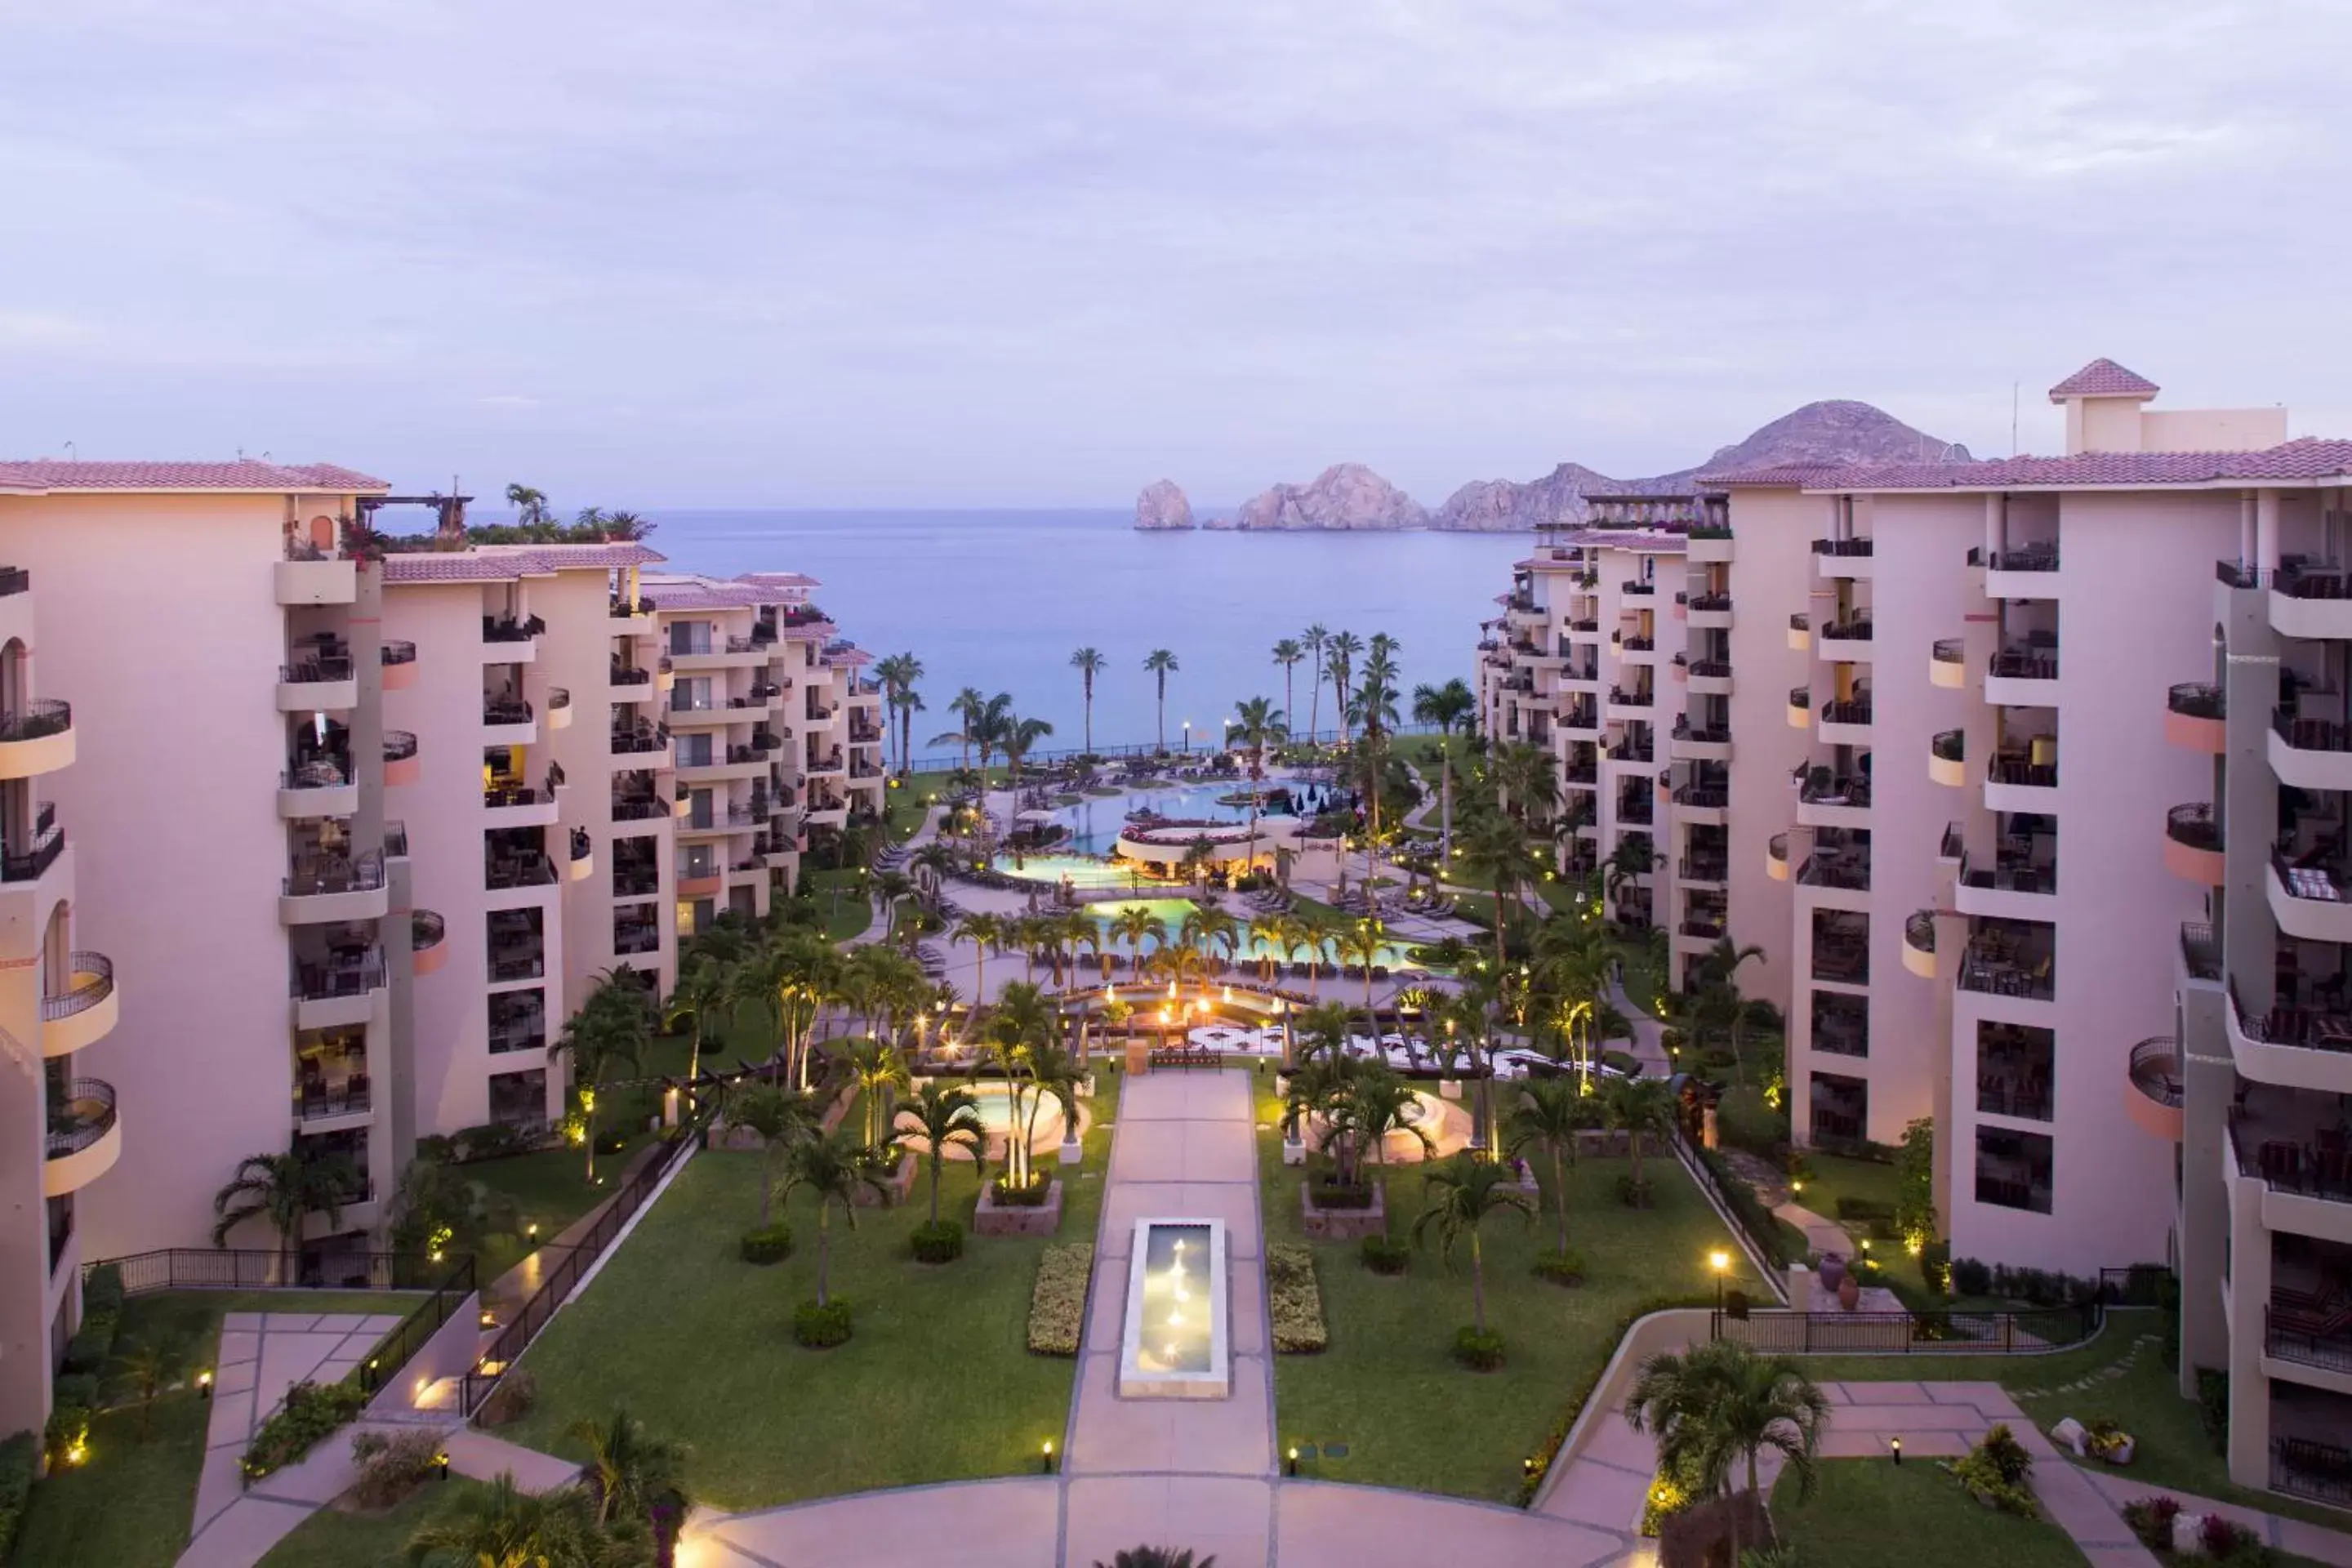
<point>1090,715</point>
<point>1315,698</point>
<point>1478,1285</point>
<point>1558,1194</point>
<point>824,1246</point>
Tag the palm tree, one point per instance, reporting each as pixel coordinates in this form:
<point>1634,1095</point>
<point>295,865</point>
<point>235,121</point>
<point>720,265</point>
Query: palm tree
<point>1444,706</point>
<point>530,505</point>
<point>898,674</point>
<point>1156,1557</point>
<point>701,996</point>
<point>631,1474</point>
<point>1016,740</point>
<point>1459,1195</point>
<point>1634,858</point>
<point>1719,1405</point>
<point>609,1031</point>
<point>1023,1020</point>
<point>1266,935</point>
<point>149,1366</point>
<point>1720,967</point>
<point>829,1165</point>
<point>1311,939</point>
<point>876,1068</point>
<point>778,1117</point>
<point>943,1115</point>
<point>282,1189</point>
<point>1161,663</point>
<point>1257,725</point>
<point>1210,928</point>
<point>1288,653</point>
<point>503,1526</point>
<point>1363,945</point>
<point>1526,783</point>
<point>968,707</point>
<point>1495,851</point>
<point>1375,1103</point>
<point>1132,924</point>
<point>1088,662</point>
<point>1639,1107</point>
<point>1549,1113</point>
<point>1054,1073</point>
<point>1316,641</point>
<point>983,931</point>
<point>1339,654</point>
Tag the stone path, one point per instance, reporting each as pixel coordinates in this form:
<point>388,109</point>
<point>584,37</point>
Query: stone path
<point>262,1354</point>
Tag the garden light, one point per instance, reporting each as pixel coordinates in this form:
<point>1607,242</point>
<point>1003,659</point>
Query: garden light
<point>1896,1444</point>
<point>441,1466</point>
<point>205,1384</point>
<point>1290,1461</point>
<point>1045,1459</point>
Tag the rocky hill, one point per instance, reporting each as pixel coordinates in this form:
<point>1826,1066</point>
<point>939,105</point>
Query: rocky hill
<point>1839,431</point>
<point>1349,496</point>
<point>1345,496</point>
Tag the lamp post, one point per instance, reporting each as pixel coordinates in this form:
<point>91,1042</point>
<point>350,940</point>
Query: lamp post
<point>1188,737</point>
<point>1719,1261</point>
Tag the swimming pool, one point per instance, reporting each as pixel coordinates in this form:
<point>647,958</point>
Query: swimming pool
<point>1094,823</point>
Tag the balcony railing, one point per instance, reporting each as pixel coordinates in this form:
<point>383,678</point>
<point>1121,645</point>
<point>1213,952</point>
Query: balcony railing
<point>2010,875</point>
<point>1841,547</point>
<point>1801,697</point>
<point>426,931</point>
<point>1852,711</point>
<point>1638,588</point>
<point>2307,1168</point>
<point>640,738</point>
<point>397,652</point>
<point>624,609</point>
<point>2304,1467</point>
<point>2197,699</point>
<point>2311,735</point>
<point>635,937</point>
<point>1638,644</point>
<point>2042,557</point>
<point>496,795</point>
<point>629,675</point>
<point>1711,668</point>
<point>1823,788</point>
<point>350,975</point>
<point>503,873</point>
<point>2314,1337</point>
<point>2311,580</point>
<point>640,882</point>
<point>507,629</point>
<point>1710,602</point>
<point>505,711</point>
<point>2193,825</point>
<point>2155,1069</point>
<point>1854,630</point>
<point>316,1100</point>
<point>2201,954</point>
<point>14,580</point>
<point>1919,930</point>
<point>2311,1028</point>
<point>1842,961</point>
<point>93,975</point>
<point>638,810</point>
<point>519,961</point>
<point>2024,664</point>
<point>1630,750</point>
<point>1949,650</point>
<point>1949,745</point>
<point>1996,970</point>
<point>1697,868</point>
<point>399,745</point>
<point>1801,622</point>
<point>318,872</point>
<point>317,669</point>
<point>2027,1100</point>
<point>1704,797</point>
<point>2020,770</point>
<point>49,843</point>
<point>39,719</point>
<point>1625,699</point>
<point>1835,871</point>
<point>82,1118</point>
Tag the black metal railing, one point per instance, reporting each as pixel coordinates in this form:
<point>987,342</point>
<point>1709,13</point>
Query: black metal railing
<point>1841,547</point>
<point>394,651</point>
<point>316,670</point>
<point>1854,630</point>
<point>37,719</point>
<point>93,975</point>
<point>2306,1467</point>
<point>1852,711</point>
<point>2154,1069</point>
<point>331,982</point>
<point>2019,1332</point>
<point>2023,664</point>
<point>1949,745</point>
<point>2197,699</point>
<point>14,580</point>
<point>84,1116</point>
<point>1919,930</point>
<point>1949,650</point>
<point>251,1268</point>
<point>2193,825</point>
<point>2200,952</point>
<point>426,931</point>
<point>318,875</point>
<point>399,745</point>
<point>501,873</point>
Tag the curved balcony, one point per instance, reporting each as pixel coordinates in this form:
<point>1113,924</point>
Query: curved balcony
<point>1680,668</point>
<point>1801,632</point>
<point>2193,844</point>
<point>324,683</point>
<point>2152,1086</point>
<point>1775,858</point>
<point>84,1012</point>
<point>399,660</point>
<point>1948,754</point>
<point>428,943</point>
<point>1919,944</point>
<point>2308,901</point>
<point>39,739</point>
<point>2292,1047</point>
<point>401,766</point>
<point>584,855</point>
<point>1801,708</point>
<point>331,888</point>
<point>2194,718</point>
<point>558,706</point>
<point>316,789</point>
<point>85,1138</point>
<point>2310,753</point>
<point>1948,663</point>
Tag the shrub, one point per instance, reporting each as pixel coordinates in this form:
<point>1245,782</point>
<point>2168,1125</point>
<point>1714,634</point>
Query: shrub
<point>1333,1195</point>
<point>312,1413</point>
<point>1635,1194</point>
<point>392,1465</point>
<point>1995,1472</point>
<point>1031,1195</point>
<point>67,1429</point>
<point>2214,1407</point>
<point>20,1459</point>
<point>1739,1196</point>
<point>77,1388</point>
<point>1296,1300</point>
<point>1479,1353</point>
<point>90,1348</point>
<point>1057,1303</point>
<point>101,1294</point>
<point>820,1328</point>
<point>491,1140</point>
<point>1971,1277</point>
<point>768,1244</point>
<point>1383,1255</point>
<point>938,1241</point>
<point>2150,1518</point>
<point>1560,1268</point>
<point>2224,1539</point>
<point>511,1400</point>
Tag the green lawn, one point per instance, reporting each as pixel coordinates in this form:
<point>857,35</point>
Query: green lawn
<point>330,1538</point>
<point>1389,1388</point>
<point>937,1385</point>
<point>129,1505</point>
<point>840,896</point>
<point>2171,1450</point>
<point>1870,1513</point>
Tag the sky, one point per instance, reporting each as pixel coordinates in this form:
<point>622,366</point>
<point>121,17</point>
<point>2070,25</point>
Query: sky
<point>1041,252</point>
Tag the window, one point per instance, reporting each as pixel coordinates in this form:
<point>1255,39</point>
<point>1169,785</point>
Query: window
<point>2013,1169</point>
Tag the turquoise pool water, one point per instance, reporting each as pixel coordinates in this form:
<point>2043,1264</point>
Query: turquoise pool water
<point>1094,825</point>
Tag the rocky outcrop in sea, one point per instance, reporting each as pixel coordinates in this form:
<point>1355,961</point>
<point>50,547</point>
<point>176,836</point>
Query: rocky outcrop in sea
<point>1347,497</point>
<point>1162,505</point>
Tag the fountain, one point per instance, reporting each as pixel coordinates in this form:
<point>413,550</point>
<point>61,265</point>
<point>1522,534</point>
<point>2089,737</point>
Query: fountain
<point>1175,1344</point>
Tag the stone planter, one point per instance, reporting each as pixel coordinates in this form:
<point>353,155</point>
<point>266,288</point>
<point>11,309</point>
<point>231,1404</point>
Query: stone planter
<point>1849,1294</point>
<point>992,1218</point>
<point>1450,1088</point>
<point>1344,1225</point>
<point>1294,1151</point>
<point>894,1186</point>
<point>1072,1152</point>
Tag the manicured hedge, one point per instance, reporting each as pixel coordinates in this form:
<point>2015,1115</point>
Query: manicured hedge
<point>312,1413</point>
<point>1296,1300</point>
<point>1058,1307</point>
<point>20,1458</point>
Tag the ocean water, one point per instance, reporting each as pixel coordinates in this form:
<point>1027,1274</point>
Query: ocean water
<point>1000,600</point>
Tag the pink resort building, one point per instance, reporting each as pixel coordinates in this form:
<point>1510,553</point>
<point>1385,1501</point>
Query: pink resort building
<point>423,793</point>
<point>2091,912</point>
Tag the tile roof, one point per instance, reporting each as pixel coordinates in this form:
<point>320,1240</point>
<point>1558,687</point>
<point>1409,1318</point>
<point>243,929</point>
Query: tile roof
<point>510,562</point>
<point>693,593</point>
<point>2303,460</point>
<point>779,579</point>
<point>1785,474</point>
<point>2103,378</point>
<point>244,475</point>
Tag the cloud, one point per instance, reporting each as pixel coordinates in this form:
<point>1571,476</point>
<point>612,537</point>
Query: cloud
<point>1043,250</point>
